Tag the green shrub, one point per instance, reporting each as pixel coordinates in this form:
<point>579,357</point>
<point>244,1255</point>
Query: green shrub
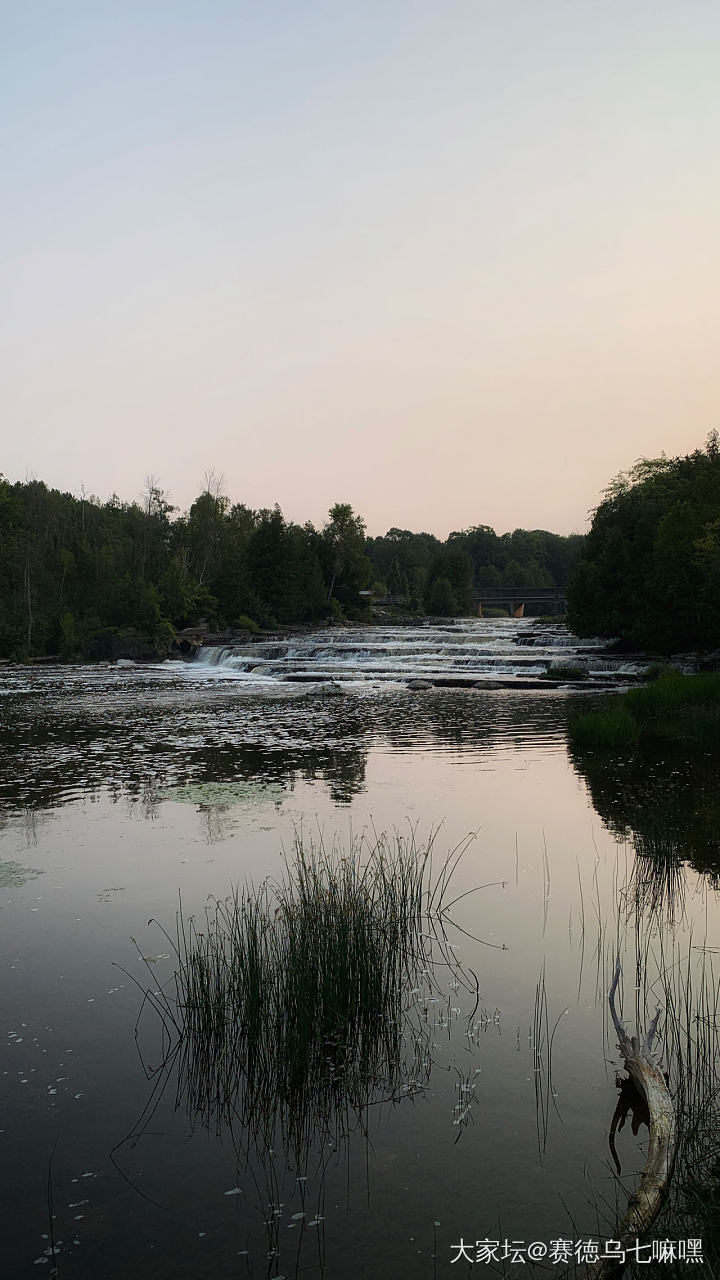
<point>674,705</point>
<point>612,725</point>
<point>244,623</point>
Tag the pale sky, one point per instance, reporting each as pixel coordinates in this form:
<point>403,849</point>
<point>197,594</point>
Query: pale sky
<point>454,263</point>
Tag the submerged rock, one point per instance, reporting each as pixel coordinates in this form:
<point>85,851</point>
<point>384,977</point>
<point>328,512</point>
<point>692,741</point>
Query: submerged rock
<point>419,684</point>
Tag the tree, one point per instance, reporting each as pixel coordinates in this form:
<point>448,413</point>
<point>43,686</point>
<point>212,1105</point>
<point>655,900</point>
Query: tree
<point>440,598</point>
<point>453,564</point>
<point>397,581</point>
<point>347,568</point>
<point>646,574</point>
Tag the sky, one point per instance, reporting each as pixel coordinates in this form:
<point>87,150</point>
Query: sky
<point>454,264</point>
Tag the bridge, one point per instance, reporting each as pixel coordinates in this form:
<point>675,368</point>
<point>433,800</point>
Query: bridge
<point>514,599</point>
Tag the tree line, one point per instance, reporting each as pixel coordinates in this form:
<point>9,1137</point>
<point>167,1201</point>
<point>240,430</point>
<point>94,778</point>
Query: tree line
<point>81,577</point>
<point>441,577</point>
<point>649,573</point>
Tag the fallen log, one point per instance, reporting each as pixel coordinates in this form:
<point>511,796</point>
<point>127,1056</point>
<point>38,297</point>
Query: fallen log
<point>644,1070</point>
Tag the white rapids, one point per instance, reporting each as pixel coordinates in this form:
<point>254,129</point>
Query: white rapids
<point>457,652</point>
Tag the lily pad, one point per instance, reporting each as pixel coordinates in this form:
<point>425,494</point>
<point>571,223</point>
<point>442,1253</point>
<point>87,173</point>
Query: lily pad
<point>14,874</point>
<point>218,793</point>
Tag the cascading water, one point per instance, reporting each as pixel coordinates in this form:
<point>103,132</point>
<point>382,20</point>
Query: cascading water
<point>461,652</point>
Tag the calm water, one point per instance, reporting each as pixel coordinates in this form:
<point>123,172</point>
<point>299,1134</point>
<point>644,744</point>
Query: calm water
<point>124,788</point>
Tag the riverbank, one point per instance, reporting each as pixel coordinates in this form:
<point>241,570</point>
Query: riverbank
<point>432,653</point>
<point>673,705</point>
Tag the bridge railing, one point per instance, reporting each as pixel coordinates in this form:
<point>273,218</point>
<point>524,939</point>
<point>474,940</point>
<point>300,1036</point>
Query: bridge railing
<point>515,598</point>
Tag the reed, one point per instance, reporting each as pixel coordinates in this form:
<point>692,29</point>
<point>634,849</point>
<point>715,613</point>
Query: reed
<point>673,705</point>
<point>611,725</point>
<point>296,1003</point>
<point>688,986</point>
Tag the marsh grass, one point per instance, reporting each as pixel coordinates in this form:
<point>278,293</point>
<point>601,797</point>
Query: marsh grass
<point>612,724</point>
<point>688,987</point>
<point>685,986</point>
<point>673,705</point>
<point>542,1039</point>
<point>658,876</point>
<point>298,1004</point>
<point>680,977</point>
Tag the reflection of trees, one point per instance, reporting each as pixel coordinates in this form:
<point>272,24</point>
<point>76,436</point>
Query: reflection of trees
<point>301,1013</point>
<point>59,761</point>
<point>666,801</point>
<point>459,718</point>
<point>129,749</point>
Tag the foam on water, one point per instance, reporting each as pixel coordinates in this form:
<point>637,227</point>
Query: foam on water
<point>388,656</point>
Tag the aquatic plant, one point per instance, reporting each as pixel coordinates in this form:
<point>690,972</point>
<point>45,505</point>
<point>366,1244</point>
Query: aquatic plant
<point>297,1003</point>
<point>14,874</point>
<point>673,705</point>
<point>235,791</point>
<point>687,985</point>
<point>611,725</point>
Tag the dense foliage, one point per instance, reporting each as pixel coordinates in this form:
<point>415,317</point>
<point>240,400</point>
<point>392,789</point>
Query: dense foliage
<point>650,570</point>
<point>649,758</point>
<point>440,577</point>
<point>99,579</point>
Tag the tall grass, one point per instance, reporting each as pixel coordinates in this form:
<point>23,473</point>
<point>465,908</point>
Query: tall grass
<point>680,975</point>
<point>673,705</point>
<point>295,1004</point>
<point>611,725</point>
<point>688,987</point>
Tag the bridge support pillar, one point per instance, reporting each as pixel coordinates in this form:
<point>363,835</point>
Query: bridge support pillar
<point>518,610</point>
<point>479,612</point>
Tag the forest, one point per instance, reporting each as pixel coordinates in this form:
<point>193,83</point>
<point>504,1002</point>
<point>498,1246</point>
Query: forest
<point>649,573</point>
<point>82,578</point>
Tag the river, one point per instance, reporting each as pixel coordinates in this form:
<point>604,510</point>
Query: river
<point>131,793</point>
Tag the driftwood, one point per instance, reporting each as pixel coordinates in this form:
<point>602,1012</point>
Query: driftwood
<point>644,1071</point>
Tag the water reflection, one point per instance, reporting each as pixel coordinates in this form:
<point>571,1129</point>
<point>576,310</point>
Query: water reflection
<point>630,1103</point>
<point>155,733</point>
<point>493,760</point>
<point>666,802</point>
<point>301,1015</point>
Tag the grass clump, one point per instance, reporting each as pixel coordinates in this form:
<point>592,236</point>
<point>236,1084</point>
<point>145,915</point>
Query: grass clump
<point>611,725</point>
<point>689,988</point>
<point>295,1003</point>
<point>673,705</point>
